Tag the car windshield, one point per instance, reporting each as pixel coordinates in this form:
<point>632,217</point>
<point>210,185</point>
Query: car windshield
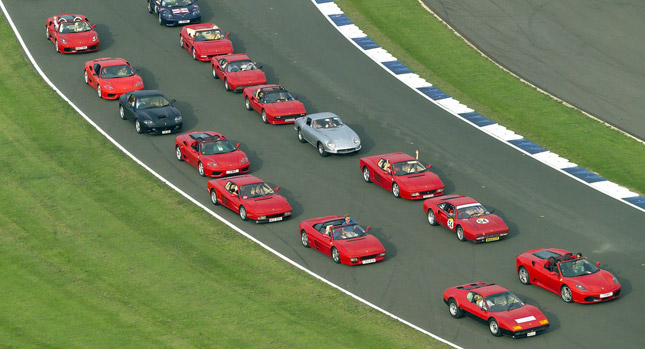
<point>503,301</point>
<point>74,27</point>
<point>170,3</point>
<point>152,102</point>
<point>208,35</point>
<point>471,210</point>
<point>240,66</point>
<point>327,123</point>
<point>116,71</point>
<point>216,147</point>
<point>407,167</point>
<point>577,267</point>
<point>255,190</point>
<point>277,96</point>
<point>347,231</point>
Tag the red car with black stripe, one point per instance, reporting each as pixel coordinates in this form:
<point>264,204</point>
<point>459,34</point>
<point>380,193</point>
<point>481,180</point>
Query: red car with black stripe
<point>203,41</point>
<point>274,103</point>
<point>237,71</point>
<point>72,33</point>
<point>211,153</point>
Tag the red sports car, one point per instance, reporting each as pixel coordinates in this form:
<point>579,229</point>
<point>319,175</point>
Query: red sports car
<point>72,33</point>
<point>111,77</point>
<point>559,271</point>
<point>466,217</point>
<point>204,41</point>
<point>237,71</point>
<point>211,153</point>
<point>274,103</point>
<point>401,174</point>
<point>504,312</point>
<point>250,197</point>
<point>347,243</point>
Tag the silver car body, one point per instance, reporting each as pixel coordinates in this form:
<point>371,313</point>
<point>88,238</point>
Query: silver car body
<point>329,130</point>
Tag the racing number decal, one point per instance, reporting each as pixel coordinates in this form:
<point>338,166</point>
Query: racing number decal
<point>451,223</point>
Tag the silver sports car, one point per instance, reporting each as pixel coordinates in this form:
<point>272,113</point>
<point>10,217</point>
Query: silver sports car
<point>327,132</point>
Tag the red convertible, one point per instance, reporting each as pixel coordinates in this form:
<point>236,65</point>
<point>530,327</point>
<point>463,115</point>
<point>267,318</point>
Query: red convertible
<point>72,33</point>
<point>237,71</point>
<point>111,77</point>
<point>250,197</point>
<point>274,103</point>
<point>575,279</point>
<point>211,153</point>
<point>466,217</point>
<point>204,41</point>
<point>504,312</point>
<point>401,174</point>
<point>344,241</point>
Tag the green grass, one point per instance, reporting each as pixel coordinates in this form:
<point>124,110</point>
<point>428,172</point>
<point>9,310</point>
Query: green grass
<point>430,49</point>
<point>96,252</point>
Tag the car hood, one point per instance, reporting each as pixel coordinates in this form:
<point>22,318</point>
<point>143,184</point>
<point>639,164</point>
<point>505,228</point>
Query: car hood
<point>485,224</point>
<point>362,246</point>
<point>527,316</point>
<point>126,84</point>
<point>285,108</point>
<point>214,47</point>
<point>340,135</point>
<point>600,282</point>
<point>163,114</point>
<point>79,39</point>
<point>267,205</point>
<point>420,181</point>
<point>226,160</point>
<point>255,75</point>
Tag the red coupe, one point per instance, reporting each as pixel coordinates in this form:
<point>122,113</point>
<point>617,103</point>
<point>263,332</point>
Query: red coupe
<point>111,77</point>
<point>466,217</point>
<point>504,312</point>
<point>72,33</point>
<point>250,197</point>
<point>237,71</point>
<point>576,279</point>
<point>204,41</point>
<point>274,103</point>
<point>345,242</point>
<point>401,174</point>
<point>211,153</point>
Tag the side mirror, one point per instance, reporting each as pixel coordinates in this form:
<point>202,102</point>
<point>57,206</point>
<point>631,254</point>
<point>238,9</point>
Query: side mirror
<point>185,143</point>
<point>429,166</point>
<point>597,264</point>
<point>484,308</point>
<point>172,101</point>
<point>276,188</point>
<point>367,229</point>
<point>237,145</point>
<point>552,273</point>
<point>227,34</point>
<point>93,26</point>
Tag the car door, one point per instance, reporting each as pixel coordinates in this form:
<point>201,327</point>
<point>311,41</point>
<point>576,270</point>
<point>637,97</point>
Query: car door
<point>191,154</point>
<point>93,75</point>
<point>548,278</point>
<point>51,29</point>
<point>474,308</point>
<point>323,242</point>
<point>220,66</point>
<point>255,103</point>
<point>307,131</point>
<point>379,173</point>
<point>227,198</point>
<point>443,215</point>
<point>128,108</point>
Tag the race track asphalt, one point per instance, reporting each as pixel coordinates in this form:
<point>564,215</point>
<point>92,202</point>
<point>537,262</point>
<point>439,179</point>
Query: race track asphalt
<point>299,49</point>
<point>588,53</point>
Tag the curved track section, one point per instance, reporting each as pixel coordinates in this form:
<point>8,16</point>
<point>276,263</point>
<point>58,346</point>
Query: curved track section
<point>300,50</point>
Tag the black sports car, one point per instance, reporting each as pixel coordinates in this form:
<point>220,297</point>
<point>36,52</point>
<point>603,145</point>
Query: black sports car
<point>175,12</point>
<point>151,112</point>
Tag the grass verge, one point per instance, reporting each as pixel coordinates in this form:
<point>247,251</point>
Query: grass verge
<point>433,51</point>
<point>96,252</point>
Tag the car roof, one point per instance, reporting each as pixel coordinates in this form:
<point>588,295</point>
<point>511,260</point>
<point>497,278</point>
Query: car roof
<point>145,93</point>
<point>107,61</point>
<point>236,57</point>
<point>396,157</point>
<point>322,115</point>
<point>482,288</point>
<point>245,179</point>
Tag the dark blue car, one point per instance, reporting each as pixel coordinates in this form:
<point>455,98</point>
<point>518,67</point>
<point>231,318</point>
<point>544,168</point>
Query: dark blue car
<point>175,12</point>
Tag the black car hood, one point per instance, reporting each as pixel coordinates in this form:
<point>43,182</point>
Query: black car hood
<point>163,114</point>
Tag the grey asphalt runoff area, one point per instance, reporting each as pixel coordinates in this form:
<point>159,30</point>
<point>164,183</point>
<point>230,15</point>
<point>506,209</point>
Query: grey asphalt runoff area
<point>300,49</point>
<point>588,53</point>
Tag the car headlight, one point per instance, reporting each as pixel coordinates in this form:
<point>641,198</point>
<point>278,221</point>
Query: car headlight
<point>262,217</point>
<point>94,38</point>
<point>439,190</point>
<point>138,84</point>
<point>244,160</point>
<point>357,141</point>
<point>331,145</point>
<point>517,328</point>
<point>178,118</point>
<point>212,164</point>
<point>288,213</point>
<point>164,13</point>
<point>63,40</point>
<point>414,194</point>
<point>147,122</point>
<point>615,280</point>
<point>544,322</point>
<point>196,10</point>
<point>580,287</point>
<point>353,260</point>
<point>382,254</point>
<point>108,87</point>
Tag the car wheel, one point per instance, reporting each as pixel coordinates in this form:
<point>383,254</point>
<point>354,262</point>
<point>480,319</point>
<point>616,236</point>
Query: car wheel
<point>226,84</point>
<point>215,74</point>
<point>565,293</point>
<point>460,234</point>
<point>321,150</point>
<point>396,191</point>
<point>247,103</point>
<point>98,91</point>
<point>431,218</point>
<point>243,213</point>
<point>301,138</point>
<point>121,112</point>
<point>304,239</point>
<point>493,326</point>
<point>150,8</point>
<point>87,79</point>
<point>57,49</point>
<point>264,117</point>
<point>46,33</point>
<point>523,274</point>
<point>194,56</point>
<point>335,255</point>
<point>137,127</point>
<point>214,197</point>
<point>178,153</point>
<point>160,20</point>
<point>454,309</point>
<point>366,174</point>
<point>200,169</point>
<point>181,41</point>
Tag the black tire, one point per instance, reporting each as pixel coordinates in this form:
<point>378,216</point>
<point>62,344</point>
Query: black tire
<point>56,44</point>
<point>151,8</point>
<point>460,234</point>
<point>194,55</point>
<point>226,84</point>
<point>523,275</point>
<point>264,117</point>
<point>138,127</point>
<point>321,150</point>
<point>396,190</point>
<point>301,137</point>
<point>160,20</point>
<point>243,215</point>
<point>493,326</point>
<point>85,77</point>
<point>181,41</point>
<point>366,174</point>
<point>335,256</point>
<point>200,169</point>
<point>121,112</point>
<point>214,197</point>
<point>432,220</point>
<point>98,91</point>
<point>247,103</point>
<point>304,239</point>
<point>178,153</point>
<point>214,72</point>
<point>454,309</point>
<point>565,294</point>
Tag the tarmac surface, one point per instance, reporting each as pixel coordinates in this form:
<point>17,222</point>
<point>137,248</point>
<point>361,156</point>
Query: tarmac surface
<point>301,50</point>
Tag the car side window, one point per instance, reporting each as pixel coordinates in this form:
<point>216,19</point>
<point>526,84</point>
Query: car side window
<point>449,208</point>
<point>97,68</point>
<point>131,100</point>
<point>442,206</point>
<point>223,63</point>
<point>308,121</point>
